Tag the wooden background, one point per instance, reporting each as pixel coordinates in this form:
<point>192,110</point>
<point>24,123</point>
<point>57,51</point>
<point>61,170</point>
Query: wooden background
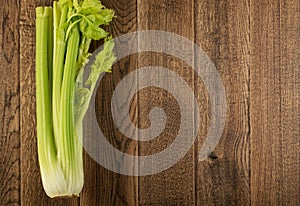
<point>255,47</point>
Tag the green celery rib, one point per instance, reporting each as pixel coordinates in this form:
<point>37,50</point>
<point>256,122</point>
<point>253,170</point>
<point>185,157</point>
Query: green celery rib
<point>52,175</point>
<point>60,20</point>
<point>50,50</point>
<point>70,148</point>
<point>62,45</point>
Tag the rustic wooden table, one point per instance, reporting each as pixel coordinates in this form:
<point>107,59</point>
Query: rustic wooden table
<point>255,47</point>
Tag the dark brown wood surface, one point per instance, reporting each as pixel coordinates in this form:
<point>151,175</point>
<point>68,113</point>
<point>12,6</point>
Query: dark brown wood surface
<point>9,104</point>
<point>103,187</point>
<point>275,105</point>
<point>255,47</point>
<point>174,186</point>
<point>225,36</point>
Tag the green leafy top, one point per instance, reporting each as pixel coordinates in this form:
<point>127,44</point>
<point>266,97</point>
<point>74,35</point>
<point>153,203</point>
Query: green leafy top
<point>103,63</point>
<point>90,14</point>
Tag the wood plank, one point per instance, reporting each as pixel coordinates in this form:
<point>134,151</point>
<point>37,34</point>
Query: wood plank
<point>174,186</point>
<point>222,30</point>
<point>103,187</point>
<point>9,104</point>
<point>263,48</point>
<point>275,111</point>
<point>32,192</point>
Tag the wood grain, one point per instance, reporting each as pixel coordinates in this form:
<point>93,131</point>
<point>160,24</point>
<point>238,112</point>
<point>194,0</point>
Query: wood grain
<point>103,187</point>
<point>9,104</point>
<point>174,186</point>
<point>222,29</point>
<point>275,112</point>
<point>255,47</point>
<point>32,192</point>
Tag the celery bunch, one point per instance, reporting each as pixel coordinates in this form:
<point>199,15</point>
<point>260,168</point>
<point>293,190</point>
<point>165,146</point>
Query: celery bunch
<point>63,37</point>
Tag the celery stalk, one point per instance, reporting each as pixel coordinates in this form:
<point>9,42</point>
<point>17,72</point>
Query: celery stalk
<point>50,50</point>
<point>63,37</point>
<point>58,63</point>
<point>52,175</point>
<point>67,153</point>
